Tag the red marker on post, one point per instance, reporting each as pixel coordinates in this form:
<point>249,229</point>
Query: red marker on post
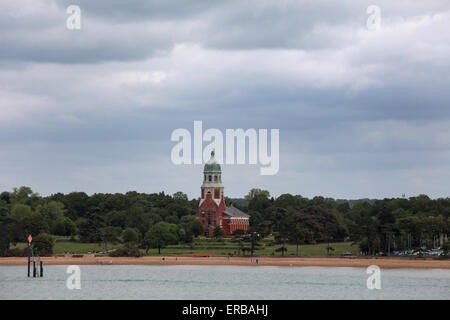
<point>30,238</point>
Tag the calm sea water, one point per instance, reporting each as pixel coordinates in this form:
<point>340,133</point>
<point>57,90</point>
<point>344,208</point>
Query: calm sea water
<point>223,282</point>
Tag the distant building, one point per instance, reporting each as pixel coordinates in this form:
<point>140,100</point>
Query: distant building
<point>212,210</point>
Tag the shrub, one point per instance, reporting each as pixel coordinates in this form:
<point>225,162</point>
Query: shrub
<point>218,232</point>
<point>16,252</point>
<point>128,250</point>
<point>43,244</point>
<point>196,227</point>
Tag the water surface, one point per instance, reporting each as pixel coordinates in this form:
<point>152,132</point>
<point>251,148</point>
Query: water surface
<point>223,282</point>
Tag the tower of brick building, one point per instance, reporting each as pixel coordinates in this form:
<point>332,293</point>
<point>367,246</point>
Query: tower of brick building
<point>212,210</point>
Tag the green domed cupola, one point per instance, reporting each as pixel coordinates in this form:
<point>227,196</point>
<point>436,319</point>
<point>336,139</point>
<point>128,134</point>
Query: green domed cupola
<point>212,166</point>
<point>212,174</point>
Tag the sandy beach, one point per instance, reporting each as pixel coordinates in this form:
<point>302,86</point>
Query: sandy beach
<point>240,261</point>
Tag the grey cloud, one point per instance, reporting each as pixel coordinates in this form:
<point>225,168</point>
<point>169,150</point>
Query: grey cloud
<point>94,110</point>
<point>124,30</point>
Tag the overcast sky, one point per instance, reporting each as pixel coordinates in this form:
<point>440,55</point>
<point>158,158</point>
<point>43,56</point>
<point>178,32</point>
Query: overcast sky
<point>361,113</point>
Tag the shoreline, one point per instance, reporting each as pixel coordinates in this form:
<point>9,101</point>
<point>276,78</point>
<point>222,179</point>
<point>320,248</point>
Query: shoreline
<point>356,262</point>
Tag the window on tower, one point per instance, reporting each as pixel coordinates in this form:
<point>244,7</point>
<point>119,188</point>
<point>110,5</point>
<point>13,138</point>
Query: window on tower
<point>209,178</point>
<point>215,178</point>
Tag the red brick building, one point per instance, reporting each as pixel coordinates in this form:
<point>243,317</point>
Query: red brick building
<point>212,210</point>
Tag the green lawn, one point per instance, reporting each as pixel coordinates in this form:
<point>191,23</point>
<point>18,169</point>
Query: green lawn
<point>204,245</point>
<point>63,244</point>
<point>223,248</point>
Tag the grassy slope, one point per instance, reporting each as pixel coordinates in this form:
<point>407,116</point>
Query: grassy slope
<point>221,248</point>
<point>209,245</point>
<point>63,244</point>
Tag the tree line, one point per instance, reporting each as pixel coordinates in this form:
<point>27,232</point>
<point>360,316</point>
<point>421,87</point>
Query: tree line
<point>379,226</point>
<point>145,221</point>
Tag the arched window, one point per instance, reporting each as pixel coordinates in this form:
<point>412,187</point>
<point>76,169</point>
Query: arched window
<point>209,178</point>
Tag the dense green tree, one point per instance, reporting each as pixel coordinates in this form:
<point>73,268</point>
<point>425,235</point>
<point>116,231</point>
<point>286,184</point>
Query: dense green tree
<point>58,228</point>
<point>259,203</point>
<point>5,196</point>
<point>51,210</point>
<point>117,218</point>
<point>253,238</point>
<point>63,227</point>
<point>180,196</point>
<point>76,204</point>
<point>255,192</point>
<point>10,232</point>
<point>35,224</point>
<point>24,195</point>
<point>138,218</point>
<point>20,211</point>
<point>110,235</point>
<point>130,235</point>
<point>88,228</point>
<point>159,236</point>
<point>297,233</point>
<point>197,227</point>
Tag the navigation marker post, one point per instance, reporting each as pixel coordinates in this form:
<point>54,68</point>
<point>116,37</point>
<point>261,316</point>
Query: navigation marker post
<point>31,255</point>
<point>30,238</point>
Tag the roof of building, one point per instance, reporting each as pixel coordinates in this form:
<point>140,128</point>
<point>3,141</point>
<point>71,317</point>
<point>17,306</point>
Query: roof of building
<point>235,212</point>
<point>212,166</point>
